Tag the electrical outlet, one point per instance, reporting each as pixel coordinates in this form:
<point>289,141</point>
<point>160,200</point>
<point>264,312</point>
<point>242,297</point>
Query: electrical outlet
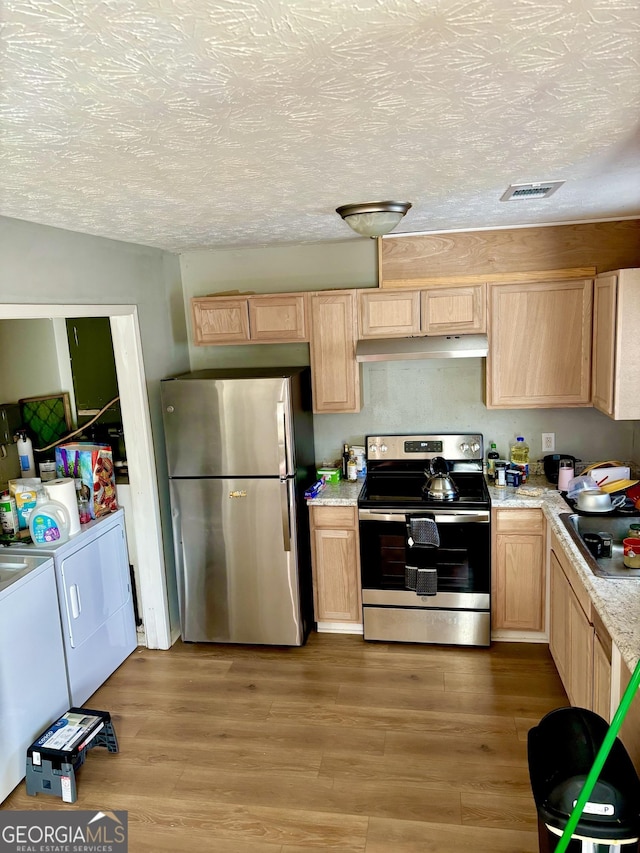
<point>548,442</point>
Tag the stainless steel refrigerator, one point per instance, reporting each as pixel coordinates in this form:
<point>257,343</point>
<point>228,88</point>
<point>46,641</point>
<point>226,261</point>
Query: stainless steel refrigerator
<point>240,453</point>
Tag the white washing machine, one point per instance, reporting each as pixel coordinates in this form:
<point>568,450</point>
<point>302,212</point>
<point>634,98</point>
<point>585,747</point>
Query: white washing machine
<point>95,601</point>
<point>33,677</point>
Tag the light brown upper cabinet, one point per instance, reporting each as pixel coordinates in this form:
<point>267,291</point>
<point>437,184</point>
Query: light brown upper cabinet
<point>389,313</point>
<point>456,310</point>
<point>335,374</point>
<point>433,310</point>
<point>218,320</point>
<point>269,318</point>
<point>616,354</point>
<point>539,345</point>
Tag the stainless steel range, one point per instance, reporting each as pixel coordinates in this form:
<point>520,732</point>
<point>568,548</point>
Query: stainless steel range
<point>425,540</point>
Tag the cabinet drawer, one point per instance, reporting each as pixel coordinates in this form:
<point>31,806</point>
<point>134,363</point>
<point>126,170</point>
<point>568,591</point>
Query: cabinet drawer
<point>334,516</point>
<point>519,521</point>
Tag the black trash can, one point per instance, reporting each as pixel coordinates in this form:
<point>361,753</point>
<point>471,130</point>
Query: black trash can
<point>561,751</point>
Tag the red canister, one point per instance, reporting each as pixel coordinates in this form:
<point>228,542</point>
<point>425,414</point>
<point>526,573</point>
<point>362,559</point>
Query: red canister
<point>631,556</point>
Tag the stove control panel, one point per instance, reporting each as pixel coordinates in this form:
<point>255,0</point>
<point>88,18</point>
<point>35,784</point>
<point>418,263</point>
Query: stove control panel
<point>454,447</point>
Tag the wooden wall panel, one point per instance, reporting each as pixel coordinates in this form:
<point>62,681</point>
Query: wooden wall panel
<point>496,255</point>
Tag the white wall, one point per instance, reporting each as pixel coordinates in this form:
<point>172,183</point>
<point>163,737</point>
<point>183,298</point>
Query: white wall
<point>39,264</point>
<point>398,397</point>
<point>28,368</point>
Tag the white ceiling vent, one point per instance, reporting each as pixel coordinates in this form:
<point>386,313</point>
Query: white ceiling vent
<point>539,190</point>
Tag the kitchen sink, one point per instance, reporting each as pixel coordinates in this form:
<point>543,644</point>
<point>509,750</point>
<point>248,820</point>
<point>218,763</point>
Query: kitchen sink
<point>617,526</point>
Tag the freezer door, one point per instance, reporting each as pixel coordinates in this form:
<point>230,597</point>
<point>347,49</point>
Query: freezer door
<point>237,582</point>
<point>228,427</point>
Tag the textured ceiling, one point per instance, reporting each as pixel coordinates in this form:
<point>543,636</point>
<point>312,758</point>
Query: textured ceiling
<point>188,124</point>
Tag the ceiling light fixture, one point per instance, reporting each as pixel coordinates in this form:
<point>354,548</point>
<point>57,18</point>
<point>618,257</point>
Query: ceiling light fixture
<point>373,218</point>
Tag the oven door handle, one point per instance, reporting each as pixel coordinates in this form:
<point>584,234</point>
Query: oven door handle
<point>463,517</point>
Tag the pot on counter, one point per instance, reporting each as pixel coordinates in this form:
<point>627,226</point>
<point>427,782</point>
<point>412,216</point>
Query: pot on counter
<point>594,500</point>
<point>440,485</point>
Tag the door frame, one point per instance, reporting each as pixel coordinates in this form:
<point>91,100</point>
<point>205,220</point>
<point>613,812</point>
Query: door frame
<point>136,422</point>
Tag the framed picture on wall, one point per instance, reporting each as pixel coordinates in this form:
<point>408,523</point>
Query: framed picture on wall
<point>46,419</point>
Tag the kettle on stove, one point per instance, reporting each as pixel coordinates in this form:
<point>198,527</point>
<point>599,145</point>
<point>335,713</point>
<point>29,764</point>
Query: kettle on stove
<point>440,485</point>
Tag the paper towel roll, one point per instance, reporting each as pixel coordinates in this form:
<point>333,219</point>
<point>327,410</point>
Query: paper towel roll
<point>64,491</point>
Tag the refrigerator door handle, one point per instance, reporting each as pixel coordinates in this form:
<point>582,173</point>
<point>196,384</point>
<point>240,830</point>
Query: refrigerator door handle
<point>286,522</point>
<point>282,442</point>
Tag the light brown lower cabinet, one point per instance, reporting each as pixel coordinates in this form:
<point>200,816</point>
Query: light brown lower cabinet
<point>335,564</point>
<point>571,632</point>
<point>591,668</point>
<point>602,653</point>
<point>518,577</point>
<point>630,729</point>
<point>579,642</point>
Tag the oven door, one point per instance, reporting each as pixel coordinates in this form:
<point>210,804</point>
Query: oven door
<point>457,609</point>
<point>462,561</point>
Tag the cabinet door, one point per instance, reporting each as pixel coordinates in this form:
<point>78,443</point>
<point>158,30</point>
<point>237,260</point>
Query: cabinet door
<point>601,680</point>
<point>571,639</point>
<point>558,622</point>
<point>519,598</point>
<point>630,729</point>
<point>278,318</point>
<point>454,310</point>
<point>218,320</point>
<point>539,345</point>
<point>335,375</point>
<point>336,566</point>
<point>386,314</point>
<point>604,337</point>
<point>580,673</point>
<point>616,355</point>
<point>518,570</point>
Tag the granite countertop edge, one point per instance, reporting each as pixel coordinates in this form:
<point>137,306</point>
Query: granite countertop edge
<point>616,601</point>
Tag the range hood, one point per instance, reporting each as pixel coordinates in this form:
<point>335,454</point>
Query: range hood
<point>408,349</point>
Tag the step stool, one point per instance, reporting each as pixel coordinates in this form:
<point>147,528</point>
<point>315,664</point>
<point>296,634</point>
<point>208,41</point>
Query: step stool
<point>55,756</point>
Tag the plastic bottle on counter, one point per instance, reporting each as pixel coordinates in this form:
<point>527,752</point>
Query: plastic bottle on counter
<point>48,521</point>
<point>25,454</point>
<point>84,511</point>
<point>8,514</point>
<point>345,462</point>
<point>492,455</point>
<point>520,456</point>
<point>352,468</point>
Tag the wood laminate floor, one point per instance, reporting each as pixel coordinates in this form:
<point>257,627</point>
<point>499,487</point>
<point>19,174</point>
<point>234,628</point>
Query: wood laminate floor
<point>339,745</point>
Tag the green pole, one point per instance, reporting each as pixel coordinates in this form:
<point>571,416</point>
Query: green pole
<point>601,757</point>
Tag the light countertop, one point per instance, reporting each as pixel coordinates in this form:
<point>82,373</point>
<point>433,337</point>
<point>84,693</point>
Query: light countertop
<point>617,601</point>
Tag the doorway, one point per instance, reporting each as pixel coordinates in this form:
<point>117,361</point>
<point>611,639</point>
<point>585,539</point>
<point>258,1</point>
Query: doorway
<point>145,505</point>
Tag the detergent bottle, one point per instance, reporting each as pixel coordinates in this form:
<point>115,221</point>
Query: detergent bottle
<point>48,521</point>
